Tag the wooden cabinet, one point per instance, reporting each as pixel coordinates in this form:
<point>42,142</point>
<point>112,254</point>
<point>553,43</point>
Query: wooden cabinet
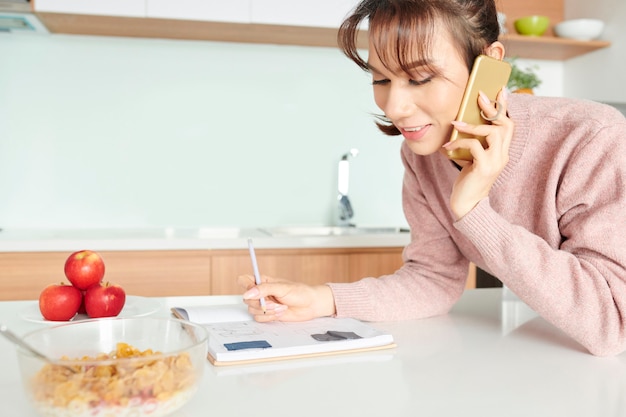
<point>317,13</point>
<point>160,273</point>
<point>129,8</point>
<point>313,266</point>
<point>149,273</point>
<point>235,11</point>
<point>200,272</point>
<point>306,22</point>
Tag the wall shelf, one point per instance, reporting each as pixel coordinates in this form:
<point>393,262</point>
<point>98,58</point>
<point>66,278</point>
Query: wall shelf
<point>544,47</point>
<point>187,29</point>
<point>549,47</point>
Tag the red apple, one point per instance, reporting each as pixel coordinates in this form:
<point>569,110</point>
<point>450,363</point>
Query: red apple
<point>104,300</point>
<point>59,302</point>
<point>82,309</point>
<point>84,269</point>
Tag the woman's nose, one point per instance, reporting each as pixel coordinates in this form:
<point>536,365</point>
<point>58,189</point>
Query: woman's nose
<point>399,104</point>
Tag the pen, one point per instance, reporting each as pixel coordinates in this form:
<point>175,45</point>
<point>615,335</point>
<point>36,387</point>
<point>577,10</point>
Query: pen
<point>255,268</point>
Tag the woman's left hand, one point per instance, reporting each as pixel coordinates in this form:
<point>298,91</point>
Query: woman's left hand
<point>477,177</point>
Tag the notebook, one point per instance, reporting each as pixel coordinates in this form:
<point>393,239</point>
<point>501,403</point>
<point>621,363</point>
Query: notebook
<point>236,338</point>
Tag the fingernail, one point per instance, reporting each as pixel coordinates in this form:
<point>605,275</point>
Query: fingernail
<point>458,123</point>
<point>484,98</point>
<point>251,293</point>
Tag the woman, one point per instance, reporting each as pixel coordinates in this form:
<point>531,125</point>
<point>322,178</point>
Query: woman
<point>542,207</point>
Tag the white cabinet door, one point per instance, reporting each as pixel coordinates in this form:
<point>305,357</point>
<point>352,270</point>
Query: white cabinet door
<point>237,11</point>
<point>133,8</point>
<point>316,13</point>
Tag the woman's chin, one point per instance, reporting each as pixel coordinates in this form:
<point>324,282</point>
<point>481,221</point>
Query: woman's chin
<point>423,148</point>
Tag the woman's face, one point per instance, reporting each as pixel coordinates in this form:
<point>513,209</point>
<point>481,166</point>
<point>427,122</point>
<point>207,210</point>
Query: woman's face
<point>422,104</point>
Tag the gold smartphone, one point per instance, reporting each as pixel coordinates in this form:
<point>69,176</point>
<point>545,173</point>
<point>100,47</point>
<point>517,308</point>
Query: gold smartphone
<point>488,75</point>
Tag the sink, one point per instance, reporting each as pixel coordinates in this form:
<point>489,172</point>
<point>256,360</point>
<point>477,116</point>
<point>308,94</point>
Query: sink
<point>331,230</point>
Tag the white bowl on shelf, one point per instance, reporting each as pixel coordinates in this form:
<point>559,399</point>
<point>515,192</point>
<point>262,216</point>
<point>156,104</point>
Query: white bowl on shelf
<point>579,29</point>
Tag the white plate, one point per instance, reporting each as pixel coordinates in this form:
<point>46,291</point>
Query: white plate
<point>133,307</point>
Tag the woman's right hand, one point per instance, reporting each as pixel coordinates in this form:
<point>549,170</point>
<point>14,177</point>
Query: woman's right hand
<point>286,300</point>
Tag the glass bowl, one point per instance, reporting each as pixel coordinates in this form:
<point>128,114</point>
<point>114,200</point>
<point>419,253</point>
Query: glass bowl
<point>141,366</point>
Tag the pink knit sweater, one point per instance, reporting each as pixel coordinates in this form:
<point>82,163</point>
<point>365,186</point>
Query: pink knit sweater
<point>553,228</point>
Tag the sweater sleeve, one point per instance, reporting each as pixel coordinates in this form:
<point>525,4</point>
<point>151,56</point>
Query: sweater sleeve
<point>579,286</point>
<point>431,279</point>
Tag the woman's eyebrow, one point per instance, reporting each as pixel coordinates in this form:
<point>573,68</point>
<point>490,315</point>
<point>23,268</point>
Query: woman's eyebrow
<point>413,65</point>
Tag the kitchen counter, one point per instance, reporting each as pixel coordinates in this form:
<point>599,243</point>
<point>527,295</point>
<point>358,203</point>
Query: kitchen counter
<point>491,356</point>
<point>25,240</point>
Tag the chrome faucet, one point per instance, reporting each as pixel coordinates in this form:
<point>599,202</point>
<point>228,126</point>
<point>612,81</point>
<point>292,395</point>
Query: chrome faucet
<point>345,208</point>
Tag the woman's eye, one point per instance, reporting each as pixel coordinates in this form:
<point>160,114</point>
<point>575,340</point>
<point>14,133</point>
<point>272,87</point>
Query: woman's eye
<point>417,82</point>
<point>421,81</point>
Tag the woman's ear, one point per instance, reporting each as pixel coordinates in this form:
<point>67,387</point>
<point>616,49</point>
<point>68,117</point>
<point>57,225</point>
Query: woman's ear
<point>495,50</point>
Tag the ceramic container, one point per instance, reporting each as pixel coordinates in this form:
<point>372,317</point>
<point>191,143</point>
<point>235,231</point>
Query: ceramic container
<point>580,29</point>
<point>532,25</point>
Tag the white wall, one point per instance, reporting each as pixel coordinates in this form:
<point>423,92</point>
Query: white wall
<point>114,132</point>
<point>599,75</point>
<point>124,132</point>
<point>550,73</point>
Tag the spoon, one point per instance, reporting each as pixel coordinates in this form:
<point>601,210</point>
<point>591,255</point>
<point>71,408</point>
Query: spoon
<point>21,343</point>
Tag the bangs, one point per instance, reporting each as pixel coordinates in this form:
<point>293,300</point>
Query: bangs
<point>402,38</point>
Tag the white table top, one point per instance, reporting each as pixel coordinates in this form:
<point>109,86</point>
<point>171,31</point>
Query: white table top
<point>491,356</point>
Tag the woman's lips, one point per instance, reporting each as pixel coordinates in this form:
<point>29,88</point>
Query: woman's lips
<point>415,133</point>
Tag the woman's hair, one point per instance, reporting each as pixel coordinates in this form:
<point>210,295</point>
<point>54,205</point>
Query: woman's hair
<point>402,30</point>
